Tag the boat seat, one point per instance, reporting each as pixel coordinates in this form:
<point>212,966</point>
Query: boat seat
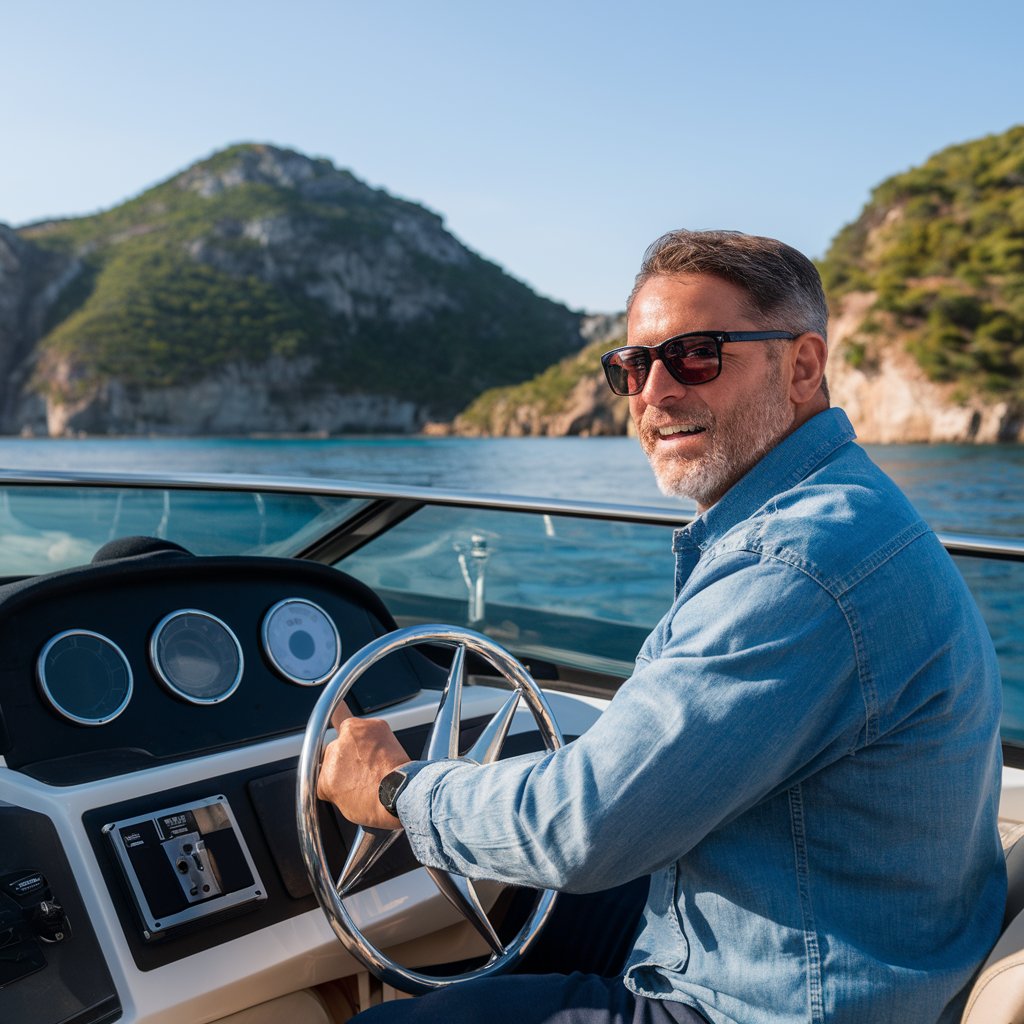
<point>302,1007</point>
<point>997,996</point>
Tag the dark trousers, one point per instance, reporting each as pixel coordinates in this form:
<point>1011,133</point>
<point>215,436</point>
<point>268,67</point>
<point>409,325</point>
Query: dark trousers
<point>533,999</point>
<point>571,976</point>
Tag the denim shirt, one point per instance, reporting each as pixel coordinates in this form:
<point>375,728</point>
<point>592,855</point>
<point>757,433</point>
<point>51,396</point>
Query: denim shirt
<point>806,760</point>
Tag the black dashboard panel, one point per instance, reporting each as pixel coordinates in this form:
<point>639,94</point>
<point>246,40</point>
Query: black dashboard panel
<point>186,941</point>
<point>124,600</point>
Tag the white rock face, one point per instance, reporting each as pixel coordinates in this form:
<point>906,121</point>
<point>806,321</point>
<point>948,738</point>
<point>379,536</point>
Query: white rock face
<point>608,327</point>
<point>425,237</point>
<point>264,164</point>
<point>30,282</point>
<point>239,399</point>
<point>361,283</point>
<point>892,401</point>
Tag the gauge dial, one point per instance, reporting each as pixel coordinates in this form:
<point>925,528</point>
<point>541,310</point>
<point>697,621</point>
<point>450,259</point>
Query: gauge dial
<point>196,656</point>
<point>301,641</point>
<point>84,677</point>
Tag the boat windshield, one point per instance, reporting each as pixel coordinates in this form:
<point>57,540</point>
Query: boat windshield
<point>574,591</point>
<point>45,528</point>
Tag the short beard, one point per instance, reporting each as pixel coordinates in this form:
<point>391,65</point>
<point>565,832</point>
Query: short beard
<point>734,446</point>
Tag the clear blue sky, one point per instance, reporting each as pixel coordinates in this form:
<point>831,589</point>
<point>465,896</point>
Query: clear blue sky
<point>556,138</point>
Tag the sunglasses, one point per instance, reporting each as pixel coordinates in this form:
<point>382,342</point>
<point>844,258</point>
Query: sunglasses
<point>693,358</point>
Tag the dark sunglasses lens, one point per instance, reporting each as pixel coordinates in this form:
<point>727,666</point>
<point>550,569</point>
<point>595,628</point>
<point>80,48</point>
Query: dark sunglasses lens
<point>692,360</point>
<point>626,370</point>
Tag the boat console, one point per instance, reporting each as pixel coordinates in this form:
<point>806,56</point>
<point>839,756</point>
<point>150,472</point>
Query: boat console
<point>152,707</point>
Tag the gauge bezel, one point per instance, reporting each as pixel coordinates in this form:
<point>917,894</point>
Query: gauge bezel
<point>272,658</point>
<point>44,686</point>
<point>161,671</point>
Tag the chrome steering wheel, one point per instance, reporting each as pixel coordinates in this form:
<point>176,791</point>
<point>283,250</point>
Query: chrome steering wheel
<point>443,743</point>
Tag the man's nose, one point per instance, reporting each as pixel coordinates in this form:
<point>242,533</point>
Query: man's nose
<point>660,384</point>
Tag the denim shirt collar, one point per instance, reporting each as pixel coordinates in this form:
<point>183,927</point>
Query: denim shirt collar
<point>789,462</point>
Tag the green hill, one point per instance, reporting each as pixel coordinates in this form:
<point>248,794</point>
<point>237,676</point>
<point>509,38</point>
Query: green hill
<point>942,248</point>
<point>569,397</point>
<point>260,256</point>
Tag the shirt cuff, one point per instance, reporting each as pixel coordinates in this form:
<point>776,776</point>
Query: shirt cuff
<point>413,809</point>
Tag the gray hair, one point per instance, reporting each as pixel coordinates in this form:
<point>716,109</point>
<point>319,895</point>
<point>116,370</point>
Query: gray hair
<point>783,286</point>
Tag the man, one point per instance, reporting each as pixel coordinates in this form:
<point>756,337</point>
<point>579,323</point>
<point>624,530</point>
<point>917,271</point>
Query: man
<point>806,759</point>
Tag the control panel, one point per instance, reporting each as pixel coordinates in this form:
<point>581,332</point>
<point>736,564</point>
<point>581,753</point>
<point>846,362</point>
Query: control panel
<point>183,864</point>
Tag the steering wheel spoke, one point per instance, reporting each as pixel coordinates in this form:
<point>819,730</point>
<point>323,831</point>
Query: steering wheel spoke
<point>368,846</point>
<point>488,745</point>
<point>443,741</point>
<point>462,895</point>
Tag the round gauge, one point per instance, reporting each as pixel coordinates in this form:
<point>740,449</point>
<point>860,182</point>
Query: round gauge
<point>301,641</point>
<point>196,656</point>
<point>84,677</point>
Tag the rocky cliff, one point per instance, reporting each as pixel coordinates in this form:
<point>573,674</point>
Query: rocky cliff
<point>927,290</point>
<point>259,290</point>
<point>891,399</point>
<point>31,280</point>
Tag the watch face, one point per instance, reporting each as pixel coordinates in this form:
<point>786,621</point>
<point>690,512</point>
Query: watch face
<point>390,786</point>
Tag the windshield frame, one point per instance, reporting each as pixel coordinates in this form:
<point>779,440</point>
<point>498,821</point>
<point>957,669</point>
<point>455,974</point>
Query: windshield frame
<point>410,498</point>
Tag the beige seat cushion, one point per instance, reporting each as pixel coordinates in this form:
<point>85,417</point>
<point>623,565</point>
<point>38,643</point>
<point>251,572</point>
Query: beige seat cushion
<point>304,1007</point>
<point>997,996</point>
<point>1011,834</point>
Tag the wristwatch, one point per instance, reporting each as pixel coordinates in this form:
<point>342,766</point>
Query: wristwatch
<point>393,783</point>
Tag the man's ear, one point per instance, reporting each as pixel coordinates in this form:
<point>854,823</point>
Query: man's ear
<point>808,355</point>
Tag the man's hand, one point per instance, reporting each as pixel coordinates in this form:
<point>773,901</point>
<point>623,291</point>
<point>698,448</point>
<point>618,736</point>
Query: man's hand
<point>354,764</point>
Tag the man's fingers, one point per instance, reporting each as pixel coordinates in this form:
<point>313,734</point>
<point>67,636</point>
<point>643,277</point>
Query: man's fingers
<point>354,764</point>
<point>340,713</point>
<point>323,791</point>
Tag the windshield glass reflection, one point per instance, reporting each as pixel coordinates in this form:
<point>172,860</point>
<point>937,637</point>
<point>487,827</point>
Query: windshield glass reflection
<point>582,592</point>
<point>43,529</point>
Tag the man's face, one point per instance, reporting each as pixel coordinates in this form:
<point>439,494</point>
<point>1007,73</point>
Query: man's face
<point>701,439</point>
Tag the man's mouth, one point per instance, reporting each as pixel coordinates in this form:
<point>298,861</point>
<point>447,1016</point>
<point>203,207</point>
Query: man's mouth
<point>677,429</point>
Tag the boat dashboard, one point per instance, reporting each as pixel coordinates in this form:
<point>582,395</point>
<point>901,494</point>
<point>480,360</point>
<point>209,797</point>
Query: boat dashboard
<point>140,660</point>
<point>153,706</point>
